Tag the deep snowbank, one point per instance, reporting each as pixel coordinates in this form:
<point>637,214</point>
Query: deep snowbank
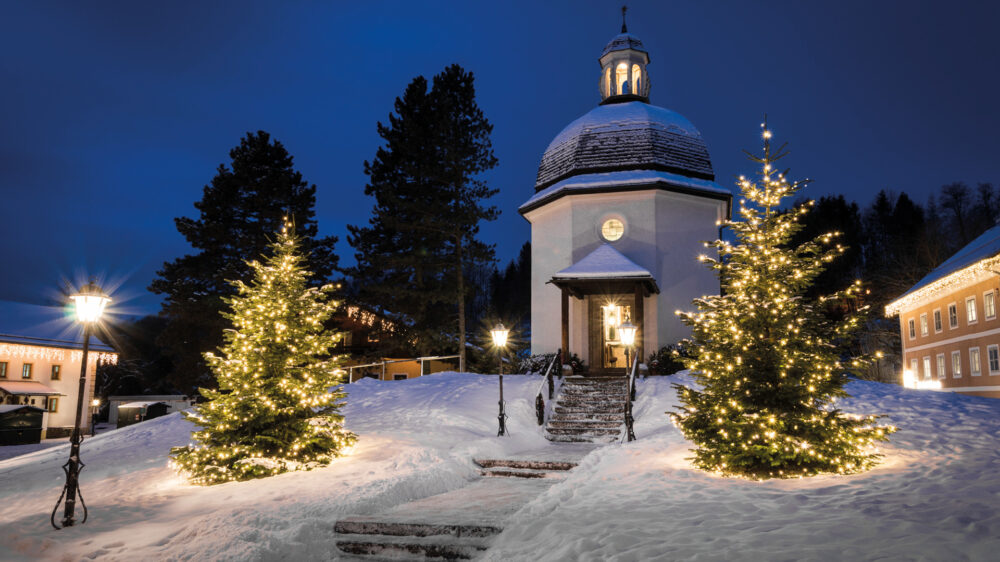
<point>935,497</point>
<point>417,438</point>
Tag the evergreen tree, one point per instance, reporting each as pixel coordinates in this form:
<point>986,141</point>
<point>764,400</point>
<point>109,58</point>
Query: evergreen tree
<point>238,211</point>
<point>415,253</point>
<point>762,352</point>
<point>275,409</point>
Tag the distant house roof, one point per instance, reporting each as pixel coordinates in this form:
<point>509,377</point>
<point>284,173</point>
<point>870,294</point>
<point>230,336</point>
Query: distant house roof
<point>979,256</point>
<point>13,407</point>
<point>140,404</point>
<point>28,388</point>
<point>49,326</point>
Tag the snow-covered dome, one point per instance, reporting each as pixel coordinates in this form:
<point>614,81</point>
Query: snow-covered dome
<point>629,135</point>
<point>623,41</point>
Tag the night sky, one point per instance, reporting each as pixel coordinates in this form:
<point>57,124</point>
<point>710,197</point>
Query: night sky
<point>114,115</point>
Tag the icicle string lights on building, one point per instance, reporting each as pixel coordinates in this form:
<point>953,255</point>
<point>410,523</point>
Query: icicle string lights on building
<point>277,405</point>
<point>765,355</point>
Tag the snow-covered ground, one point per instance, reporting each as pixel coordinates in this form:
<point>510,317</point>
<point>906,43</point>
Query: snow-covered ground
<point>935,497</point>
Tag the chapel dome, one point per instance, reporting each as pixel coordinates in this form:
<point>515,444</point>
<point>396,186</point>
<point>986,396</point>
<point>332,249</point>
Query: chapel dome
<point>623,136</point>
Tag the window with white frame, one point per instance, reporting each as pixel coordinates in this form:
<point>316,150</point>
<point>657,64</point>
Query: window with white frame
<point>952,315</point>
<point>970,310</point>
<point>923,324</point>
<point>914,368</point>
<point>974,368</point>
<point>993,355</point>
<point>913,328</point>
<point>956,364</point>
<point>937,321</point>
<point>940,365</point>
<point>989,305</point>
<point>927,367</point>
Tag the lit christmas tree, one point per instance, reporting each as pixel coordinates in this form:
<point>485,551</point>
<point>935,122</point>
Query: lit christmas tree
<point>276,409</point>
<point>764,355</point>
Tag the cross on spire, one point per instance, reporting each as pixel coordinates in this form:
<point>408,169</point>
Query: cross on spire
<point>624,9</point>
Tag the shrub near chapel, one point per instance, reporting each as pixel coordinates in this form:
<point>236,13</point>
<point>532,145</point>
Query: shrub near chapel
<point>763,354</point>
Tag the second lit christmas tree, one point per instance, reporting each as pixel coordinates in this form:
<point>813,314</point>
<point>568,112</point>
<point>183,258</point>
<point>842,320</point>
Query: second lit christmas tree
<point>764,355</point>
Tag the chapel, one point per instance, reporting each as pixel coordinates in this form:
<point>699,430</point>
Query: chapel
<point>624,200</point>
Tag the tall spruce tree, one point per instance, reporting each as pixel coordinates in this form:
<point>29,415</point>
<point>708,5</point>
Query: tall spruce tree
<point>763,352</point>
<point>413,256</point>
<point>276,409</point>
<point>238,211</point>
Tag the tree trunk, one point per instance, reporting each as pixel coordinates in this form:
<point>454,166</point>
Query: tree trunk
<point>461,303</point>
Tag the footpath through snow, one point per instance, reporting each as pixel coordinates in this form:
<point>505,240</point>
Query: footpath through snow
<point>935,497</point>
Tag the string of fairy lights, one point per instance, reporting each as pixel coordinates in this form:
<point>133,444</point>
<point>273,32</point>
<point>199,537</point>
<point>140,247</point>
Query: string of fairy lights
<point>276,408</point>
<point>765,356</point>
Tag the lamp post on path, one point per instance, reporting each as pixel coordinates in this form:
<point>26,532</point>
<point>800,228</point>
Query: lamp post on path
<point>89,303</point>
<point>499,334</point>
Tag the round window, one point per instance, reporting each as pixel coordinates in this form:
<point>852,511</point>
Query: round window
<point>612,229</point>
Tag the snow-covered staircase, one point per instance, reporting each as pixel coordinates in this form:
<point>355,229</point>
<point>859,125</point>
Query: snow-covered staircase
<point>588,409</point>
<point>456,525</point>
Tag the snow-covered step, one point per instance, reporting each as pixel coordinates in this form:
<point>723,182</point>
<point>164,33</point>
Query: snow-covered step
<point>526,463</point>
<point>587,409</point>
<point>415,548</point>
<point>582,439</point>
<point>371,526</point>
<point>586,415</point>
<point>521,473</point>
<point>583,432</point>
<point>586,424</point>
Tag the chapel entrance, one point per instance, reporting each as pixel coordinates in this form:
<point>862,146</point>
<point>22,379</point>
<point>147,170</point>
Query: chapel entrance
<point>607,314</point>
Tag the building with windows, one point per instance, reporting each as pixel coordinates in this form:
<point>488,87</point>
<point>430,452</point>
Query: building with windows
<point>40,355</point>
<point>948,321</point>
<point>624,198</point>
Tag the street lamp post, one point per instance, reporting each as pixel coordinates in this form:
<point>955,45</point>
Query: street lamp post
<point>90,303</point>
<point>628,331</point>
<point>499,334</point>
<point>95,408</point>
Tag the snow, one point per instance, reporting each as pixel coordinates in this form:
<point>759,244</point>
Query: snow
<point>934,496</point>
<point>30,388</point>
<point>623,41</point>
<point>604,262</point>
<point>598,181</point>
<point>12,407</point>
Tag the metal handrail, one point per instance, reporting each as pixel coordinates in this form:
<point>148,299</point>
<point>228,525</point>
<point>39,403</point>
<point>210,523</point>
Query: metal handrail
<point>546,378</point>
<point>629,397</point>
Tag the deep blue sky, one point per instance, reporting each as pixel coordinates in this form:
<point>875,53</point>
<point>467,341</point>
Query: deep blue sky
<point>114,115</point>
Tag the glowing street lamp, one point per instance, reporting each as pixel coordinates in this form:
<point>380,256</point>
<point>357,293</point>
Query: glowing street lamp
<point>499,334</point>
<point>95,407</point>
<point>627,332</point>
<point>90,303</point>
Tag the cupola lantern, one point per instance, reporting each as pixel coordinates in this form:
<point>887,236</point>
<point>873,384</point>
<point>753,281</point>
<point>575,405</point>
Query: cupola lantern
<point>623,68</point>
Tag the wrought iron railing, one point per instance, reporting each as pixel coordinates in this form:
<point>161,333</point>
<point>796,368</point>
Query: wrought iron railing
<point>629,397</point>
<point>547,381</point>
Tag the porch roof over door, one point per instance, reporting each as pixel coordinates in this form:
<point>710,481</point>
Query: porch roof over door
<point>605,270</point>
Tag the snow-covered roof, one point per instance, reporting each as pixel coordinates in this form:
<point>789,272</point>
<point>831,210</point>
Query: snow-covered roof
<point>604,263</point>
<point>625,136</point>
<point>12,407</point>
<point>623,41</point>
<point>49,326</point>
<point>598,182</point>
<point>140,404</point>
<point>967,263</point>
<point>28,388</point>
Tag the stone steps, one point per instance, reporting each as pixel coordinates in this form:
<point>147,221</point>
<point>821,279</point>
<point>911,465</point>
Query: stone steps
<point>588,409</point>
<point>375,540</point>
